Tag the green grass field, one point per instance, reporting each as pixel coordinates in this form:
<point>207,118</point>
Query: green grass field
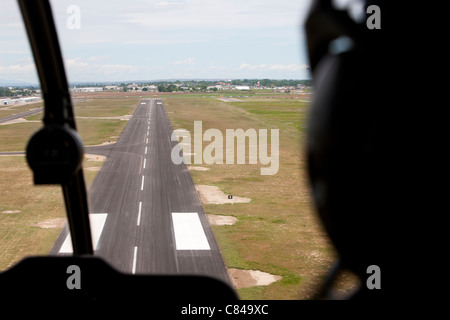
<point>24,205</point>
<point>93,130</point>
<point>278,231</point>
<point>13,109</point>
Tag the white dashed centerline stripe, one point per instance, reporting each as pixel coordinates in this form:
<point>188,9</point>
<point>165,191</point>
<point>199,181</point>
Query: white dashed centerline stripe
<point>133,270</point>
<point>139,214</point>
<point>146,141</point>
<point>147,132</point>
<point>145,150</point>
<point>142,184</point>
<point>145,162</point>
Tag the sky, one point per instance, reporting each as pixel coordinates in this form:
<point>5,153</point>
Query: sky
<point>171,39</point>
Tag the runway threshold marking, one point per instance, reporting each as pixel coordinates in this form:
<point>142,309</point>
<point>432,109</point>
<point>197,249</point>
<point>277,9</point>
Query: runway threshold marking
<point>189,233</point>
<point>97,222</point>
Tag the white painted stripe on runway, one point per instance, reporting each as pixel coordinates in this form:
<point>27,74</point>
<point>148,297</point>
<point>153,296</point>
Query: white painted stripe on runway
<point>97,222</point>
<point>145,162</point>
<point>133,270</point>
<point>139,214</point>
<point>145,150</point>
<point>143,102</point>
<point>148,127</point>
<point>142,184</point>
<point>188,230</point>
<point>147,132</point>
<point>146,141</point>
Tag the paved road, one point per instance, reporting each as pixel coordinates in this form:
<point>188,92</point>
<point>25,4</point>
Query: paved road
<point>21,115</point>
<point>151,214</point>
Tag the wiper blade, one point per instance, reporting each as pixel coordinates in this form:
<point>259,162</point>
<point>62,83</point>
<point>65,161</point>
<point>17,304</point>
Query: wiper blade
<point>55,152</point>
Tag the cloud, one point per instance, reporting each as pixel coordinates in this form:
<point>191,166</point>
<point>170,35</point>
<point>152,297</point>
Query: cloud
<point>273,67</point>
<point>217,14</point>
<point>77,63</point>
<point>80,69</point>
<point>119,69</point>
<point>217,37</point>
<point>17,69</point>
<point>19,72</point>
<point>188,61</point>
<point>97,58</point>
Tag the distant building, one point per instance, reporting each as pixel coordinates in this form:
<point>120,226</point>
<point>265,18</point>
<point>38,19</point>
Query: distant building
<point>16,101</point>
<point>242,88</point>
<point>113,88</point>
<point>87,89</point>
<point>30,99</point>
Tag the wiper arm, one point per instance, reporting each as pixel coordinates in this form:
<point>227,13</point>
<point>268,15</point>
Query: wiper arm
<point>55,152</point>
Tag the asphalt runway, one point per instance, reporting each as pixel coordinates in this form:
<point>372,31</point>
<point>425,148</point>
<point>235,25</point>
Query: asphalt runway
<point>21,115</point>
<point>146,216</point>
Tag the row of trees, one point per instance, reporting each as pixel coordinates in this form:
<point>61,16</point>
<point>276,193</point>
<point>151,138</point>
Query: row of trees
<point>171,86</point>
<point>16,91</point>
<point>271,82</point>
<point>167,88</point>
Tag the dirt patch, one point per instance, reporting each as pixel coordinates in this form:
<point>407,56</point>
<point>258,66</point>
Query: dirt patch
<point>95,169</point>
<point>198,168</point>
<point>18,120</point>
<point>106,143</point>
<point>213,195</point>
<point>94,157</point>
<point>229,99</point>
<point>123,118</point>
<point>55,223</point>
<point>216,220</point>
<point>250,278</point>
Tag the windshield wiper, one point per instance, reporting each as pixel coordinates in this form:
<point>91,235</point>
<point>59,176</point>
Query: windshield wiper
<point>55,152</point>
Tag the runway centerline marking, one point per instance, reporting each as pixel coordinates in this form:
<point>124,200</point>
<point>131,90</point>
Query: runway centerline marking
<point>142,184</point>
<point>147,132</point>
<point>133,269</point>
<point>145,162</point>
<point>189,233</point>
<point>139,214</point>
<point>97,222</point>
<point>145,150</point>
